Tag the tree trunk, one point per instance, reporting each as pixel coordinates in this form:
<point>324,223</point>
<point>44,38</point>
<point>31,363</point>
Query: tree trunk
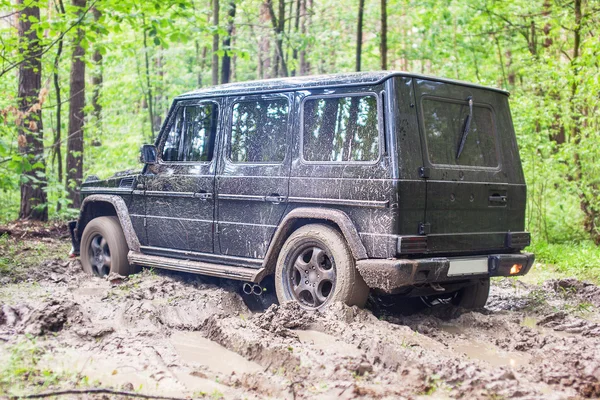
<point>31,141</point>
<point>226,65</point>
<point>264,45</point>
<point>279,27</point>
<point>76,117</point>
<point>57,148</point>
<point>149,97</point>
<point>383,45</point>
<point>304,69</point>
<point>296,31</point>
<point>97,78</point>
<point>361,9</point>
<point>215,57</point>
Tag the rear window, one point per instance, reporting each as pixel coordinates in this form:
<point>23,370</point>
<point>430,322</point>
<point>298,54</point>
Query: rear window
<point>444,124</point>
<point>341,129</point>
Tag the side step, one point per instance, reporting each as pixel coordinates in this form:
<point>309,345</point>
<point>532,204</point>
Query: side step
<point>197,267</point>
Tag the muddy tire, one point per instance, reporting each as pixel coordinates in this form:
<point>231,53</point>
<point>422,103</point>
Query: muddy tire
<point>104,248</point>
<point>474,296</point>
<point>315,267</point>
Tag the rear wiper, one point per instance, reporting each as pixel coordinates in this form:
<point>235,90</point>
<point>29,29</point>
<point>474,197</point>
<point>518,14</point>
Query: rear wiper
<point>465,132</point>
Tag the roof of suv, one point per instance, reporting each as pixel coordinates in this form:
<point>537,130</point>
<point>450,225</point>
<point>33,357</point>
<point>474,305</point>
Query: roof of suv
<point>316,81</point>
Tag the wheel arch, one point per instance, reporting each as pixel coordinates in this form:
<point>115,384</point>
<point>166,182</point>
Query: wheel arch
<point>98,205</point>
<point>306,215</point>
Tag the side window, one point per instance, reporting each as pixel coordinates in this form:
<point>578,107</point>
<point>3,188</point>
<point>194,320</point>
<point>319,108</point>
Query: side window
<point>258,131</point>
<point>340,129</point>
<point>191,136</point>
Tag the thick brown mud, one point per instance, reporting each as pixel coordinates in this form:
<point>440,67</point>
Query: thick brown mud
<point>187,336</point>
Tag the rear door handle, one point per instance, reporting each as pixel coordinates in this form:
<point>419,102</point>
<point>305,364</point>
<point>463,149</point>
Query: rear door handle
<point>498,199</point>
<point>204,196</point>
<point>275,198</point>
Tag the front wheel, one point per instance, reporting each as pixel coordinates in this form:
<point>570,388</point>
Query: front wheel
<point>104,248</point>
<point>315,268</point>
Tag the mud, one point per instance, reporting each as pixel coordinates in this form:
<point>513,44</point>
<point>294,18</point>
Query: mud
<point>192,337</point>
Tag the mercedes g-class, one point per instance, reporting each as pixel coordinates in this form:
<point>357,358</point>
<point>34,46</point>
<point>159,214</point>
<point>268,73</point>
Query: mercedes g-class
<point>334,185</point>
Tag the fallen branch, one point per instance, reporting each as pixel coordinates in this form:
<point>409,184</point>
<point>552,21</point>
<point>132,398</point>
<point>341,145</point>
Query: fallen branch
<point>95,391</point>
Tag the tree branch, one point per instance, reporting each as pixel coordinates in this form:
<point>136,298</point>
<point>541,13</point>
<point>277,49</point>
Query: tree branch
<point>48,47</point>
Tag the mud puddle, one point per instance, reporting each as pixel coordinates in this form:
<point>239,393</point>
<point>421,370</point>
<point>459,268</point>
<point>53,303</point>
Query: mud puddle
<point>192,337</point>
<point>193,348</point>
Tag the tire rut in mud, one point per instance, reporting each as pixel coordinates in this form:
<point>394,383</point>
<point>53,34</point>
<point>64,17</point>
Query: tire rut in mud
<point>189,334</point>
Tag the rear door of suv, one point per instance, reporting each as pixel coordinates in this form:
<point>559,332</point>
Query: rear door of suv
<point>253,175</point>
<point>475,185</point>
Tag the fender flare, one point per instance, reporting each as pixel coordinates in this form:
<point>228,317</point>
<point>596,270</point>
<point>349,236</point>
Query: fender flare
<point>339,218</point>
<point>122,213</point>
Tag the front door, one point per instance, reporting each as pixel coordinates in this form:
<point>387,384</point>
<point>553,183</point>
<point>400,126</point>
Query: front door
<point>179,188</point>
<point>252,183</point>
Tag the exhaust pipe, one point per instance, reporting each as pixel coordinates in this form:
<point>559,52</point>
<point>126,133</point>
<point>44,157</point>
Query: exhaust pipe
<point>247,288</point>
<point>257,289</point>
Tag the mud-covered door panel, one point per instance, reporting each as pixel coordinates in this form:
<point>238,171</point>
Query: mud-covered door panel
<point>341,161</point>
<point>475,186</point>
<point>253,178</point>
<point>179,189</point>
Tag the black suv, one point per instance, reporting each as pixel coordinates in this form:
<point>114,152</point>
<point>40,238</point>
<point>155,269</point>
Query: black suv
<point>334,185</point>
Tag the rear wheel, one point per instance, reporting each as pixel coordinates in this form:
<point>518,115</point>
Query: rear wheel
<point>475,295</point>
<point>104,248</point>
<point>471,297</point>
<point>315,268</point>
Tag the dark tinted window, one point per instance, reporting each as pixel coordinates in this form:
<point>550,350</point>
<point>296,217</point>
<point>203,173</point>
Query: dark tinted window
<point>341,129</point>
<point>192,134</point>
<point>444,123</point>
<point>258,131</point>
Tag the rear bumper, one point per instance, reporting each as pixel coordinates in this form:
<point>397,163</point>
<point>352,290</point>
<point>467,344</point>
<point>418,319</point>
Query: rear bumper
<point>391,275</point>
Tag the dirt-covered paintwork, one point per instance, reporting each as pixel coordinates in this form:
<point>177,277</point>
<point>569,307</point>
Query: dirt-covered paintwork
<point>232,214</point>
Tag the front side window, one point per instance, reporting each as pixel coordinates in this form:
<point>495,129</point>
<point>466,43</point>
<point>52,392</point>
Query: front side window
<point>445,128</point>
<point>341,129</point>
<point>258,131</point>
<point>191,136</point>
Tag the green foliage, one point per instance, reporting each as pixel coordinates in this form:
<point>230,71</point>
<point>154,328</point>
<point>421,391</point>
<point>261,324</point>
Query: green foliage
<point>539,50</point>
<point>578,259</point>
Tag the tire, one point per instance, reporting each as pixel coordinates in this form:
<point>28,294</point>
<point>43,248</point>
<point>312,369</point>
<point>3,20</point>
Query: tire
<point>104,248</point>
<point>317,254</point>
<point>474,296</point>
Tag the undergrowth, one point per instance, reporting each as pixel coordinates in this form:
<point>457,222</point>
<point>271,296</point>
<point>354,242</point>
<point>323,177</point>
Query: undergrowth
<point>574,259</point>
<point>17,255</point>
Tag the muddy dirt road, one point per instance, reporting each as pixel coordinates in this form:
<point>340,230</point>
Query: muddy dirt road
<point>180,335</point>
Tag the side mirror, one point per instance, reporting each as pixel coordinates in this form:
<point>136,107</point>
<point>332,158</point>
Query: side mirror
<point>148,154</point>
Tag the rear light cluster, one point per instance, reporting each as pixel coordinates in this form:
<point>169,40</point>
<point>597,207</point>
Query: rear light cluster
<point>412,244</point>
<point>518,240</point>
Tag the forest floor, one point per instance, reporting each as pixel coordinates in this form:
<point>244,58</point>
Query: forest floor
<point>180,335</point>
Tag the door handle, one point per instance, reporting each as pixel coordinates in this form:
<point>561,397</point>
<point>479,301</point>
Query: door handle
<point>498,199</point>
<point>204,196</point>
<point>275,198</point>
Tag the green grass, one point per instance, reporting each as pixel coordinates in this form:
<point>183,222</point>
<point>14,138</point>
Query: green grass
<point>21,370</point>
<point>18,255</point>
<point>573,259</point>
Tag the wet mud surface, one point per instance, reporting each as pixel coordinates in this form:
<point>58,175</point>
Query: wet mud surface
<point>188,336</point>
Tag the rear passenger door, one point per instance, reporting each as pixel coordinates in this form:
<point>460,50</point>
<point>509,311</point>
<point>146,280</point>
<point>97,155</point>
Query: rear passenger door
<point>340,161</point>
<point>253,176</point>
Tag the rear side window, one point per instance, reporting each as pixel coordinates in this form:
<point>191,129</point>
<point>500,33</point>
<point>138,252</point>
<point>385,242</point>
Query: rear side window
<point>191,136</point>
<point>444,123</point>
<point>259,130</point>
<point>340,129</point>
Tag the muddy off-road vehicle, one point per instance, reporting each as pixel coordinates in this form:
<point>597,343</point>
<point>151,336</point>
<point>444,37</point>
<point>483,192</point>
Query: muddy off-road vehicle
<point>333,185</point>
